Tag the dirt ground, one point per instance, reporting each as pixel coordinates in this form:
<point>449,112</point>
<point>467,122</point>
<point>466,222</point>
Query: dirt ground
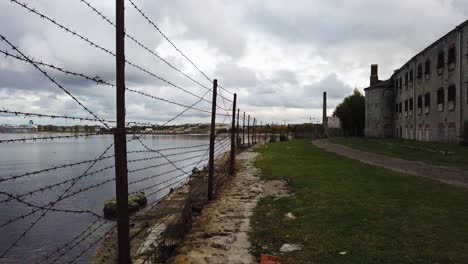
<point>220,233</point>
<point>445,174</point>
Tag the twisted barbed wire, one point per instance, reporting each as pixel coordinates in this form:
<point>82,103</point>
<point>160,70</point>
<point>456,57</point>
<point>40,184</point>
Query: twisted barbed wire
<point>61,87</point>
<point>36,139</point>
<point>105,18</point>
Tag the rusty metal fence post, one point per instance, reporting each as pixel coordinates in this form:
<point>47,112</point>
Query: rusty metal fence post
<point>120,141</point>
<point>232,160</point>
<point>212,141</point>
<point>248,131</point>
<point>260,131</point>
<point>253,131</point>
<point>237,130</point>
<point>243,132</point>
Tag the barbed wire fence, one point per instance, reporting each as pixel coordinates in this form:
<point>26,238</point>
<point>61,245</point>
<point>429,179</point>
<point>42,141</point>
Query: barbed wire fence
<point>175,180</point>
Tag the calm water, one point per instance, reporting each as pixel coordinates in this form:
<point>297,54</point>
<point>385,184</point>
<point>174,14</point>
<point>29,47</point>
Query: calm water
<point>58,228</point>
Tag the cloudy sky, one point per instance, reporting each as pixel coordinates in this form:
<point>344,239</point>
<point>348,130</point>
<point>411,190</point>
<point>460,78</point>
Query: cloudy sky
<point>278,56</point>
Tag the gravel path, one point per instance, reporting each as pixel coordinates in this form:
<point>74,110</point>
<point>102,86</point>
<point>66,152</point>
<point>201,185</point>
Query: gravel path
<point>445,174</point>
<point>220,233</point>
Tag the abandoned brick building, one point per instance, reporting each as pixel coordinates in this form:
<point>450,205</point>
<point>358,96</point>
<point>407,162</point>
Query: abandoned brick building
<point>427,98</point>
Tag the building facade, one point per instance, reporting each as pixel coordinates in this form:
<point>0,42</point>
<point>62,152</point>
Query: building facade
<point>427,98</point>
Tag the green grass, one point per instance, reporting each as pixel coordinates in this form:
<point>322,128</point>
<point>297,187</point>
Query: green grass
<point>434,153</point>
<point>342,205</point>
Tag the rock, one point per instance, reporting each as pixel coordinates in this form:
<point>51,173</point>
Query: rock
<point>256,190</point>
<point>139,198</point>
<point>135,202</point>
<point>218,246</point>
<point>289,216</point>
<point>290,247</point>
<point>195,170</point>
<point>343,253</point>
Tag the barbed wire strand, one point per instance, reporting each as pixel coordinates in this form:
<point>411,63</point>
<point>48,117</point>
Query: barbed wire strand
<point>93,44</point>
<point>61,87</point>
<point>50,206</point>
<point>105,18</point>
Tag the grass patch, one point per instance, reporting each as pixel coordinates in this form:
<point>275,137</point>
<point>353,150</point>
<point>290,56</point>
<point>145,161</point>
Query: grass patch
<point>342,205</point>
<point>435,153</point>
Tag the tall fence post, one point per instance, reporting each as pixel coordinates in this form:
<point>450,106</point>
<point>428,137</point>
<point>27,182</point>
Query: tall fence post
<point>120,141</point>
<point>248,131</point>
<point>232,163</point>
<point>253,131</point>
<point>260,132</point>
<point>265,133</point>
<point>212,142</point>
<point>237,130</point>
<point>243,131</point>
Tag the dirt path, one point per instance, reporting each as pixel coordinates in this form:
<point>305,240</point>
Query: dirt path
<point>220,232</point>
<point>445,174</point>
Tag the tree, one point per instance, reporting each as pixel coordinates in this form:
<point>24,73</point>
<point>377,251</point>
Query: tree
<point>351,113</point>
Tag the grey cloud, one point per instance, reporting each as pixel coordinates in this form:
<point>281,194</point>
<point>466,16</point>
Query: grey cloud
<point>331,45</point>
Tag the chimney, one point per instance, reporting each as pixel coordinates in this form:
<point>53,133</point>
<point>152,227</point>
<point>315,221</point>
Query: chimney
<point>374,78</point>
<point>324,120</point>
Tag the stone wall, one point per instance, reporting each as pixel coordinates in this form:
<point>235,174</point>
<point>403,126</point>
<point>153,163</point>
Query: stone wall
<point>379,114</point>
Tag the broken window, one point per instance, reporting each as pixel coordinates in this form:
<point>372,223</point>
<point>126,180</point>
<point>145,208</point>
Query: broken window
<point>406,108</point>
<point>451,57</point>
<point>427,69</point>
<point>440,62</point>
<point>440,100</point>
<point>420,71</point>
<point>406,80</point>
<point>411,106</point>
<point>420,104</point>
<point>451,94</point>
<point>427,103</point>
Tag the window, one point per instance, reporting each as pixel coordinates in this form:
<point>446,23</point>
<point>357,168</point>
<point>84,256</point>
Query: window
<point>420,71</point>
<point>396,108</point>
<point>406,80</point>
<point>411,106</point>
<point>451,58</point>
<point>440,100</point>
<point>411,77</point>
<point>400,106</point>
<point>427,103</point>
<point>451,94</point>
<point>440,62</point>
<point>406,108</point>
<point>420,104</point>
<point>401,83</point>
<point>427,69</point>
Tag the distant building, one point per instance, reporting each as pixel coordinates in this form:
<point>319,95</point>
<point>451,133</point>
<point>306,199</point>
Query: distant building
<point>427,98</point>
<point>333,122</point>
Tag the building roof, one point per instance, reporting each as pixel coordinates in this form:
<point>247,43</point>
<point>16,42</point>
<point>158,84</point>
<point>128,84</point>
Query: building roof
<point>465,23</point>
<point>380,84</point>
